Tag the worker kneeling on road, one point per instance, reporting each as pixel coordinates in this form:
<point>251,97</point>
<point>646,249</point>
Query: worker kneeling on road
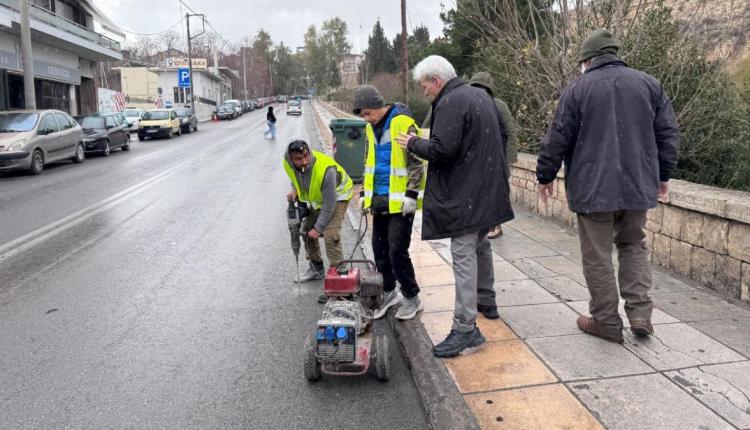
<point>323,185</point>
<point>393,186</point>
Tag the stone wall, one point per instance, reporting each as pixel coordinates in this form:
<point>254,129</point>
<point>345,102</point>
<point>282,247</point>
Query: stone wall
<point>700,232</point>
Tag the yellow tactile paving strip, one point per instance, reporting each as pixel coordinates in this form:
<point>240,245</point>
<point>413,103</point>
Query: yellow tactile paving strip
<point>504,383</point>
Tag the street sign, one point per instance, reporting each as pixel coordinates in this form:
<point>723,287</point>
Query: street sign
<point>168,104</point>
<point>183,78</point>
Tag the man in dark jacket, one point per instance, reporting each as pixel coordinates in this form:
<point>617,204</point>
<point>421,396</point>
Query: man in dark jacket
<point>616,131</point>
<point>483,80</point>
<point>466,193</point>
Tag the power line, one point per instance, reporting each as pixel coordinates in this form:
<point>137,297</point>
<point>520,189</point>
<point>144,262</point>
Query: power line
<point>208,23</point>
<point>135,33</point>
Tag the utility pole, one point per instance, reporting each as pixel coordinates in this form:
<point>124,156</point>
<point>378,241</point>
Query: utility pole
<point>190,54</point>
<point>29,93</point>
<point>404,53</point>
<point>244,71</point>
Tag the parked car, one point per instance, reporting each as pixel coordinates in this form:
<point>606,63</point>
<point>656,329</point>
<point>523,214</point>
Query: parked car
<point>133,117</point>
<point>102,133</point>
<point>236,105</point>
<point>293,107</point>
<point>29,140</point>
<point>188,121</point>
<point>159,123</point>
<point>226,111</point>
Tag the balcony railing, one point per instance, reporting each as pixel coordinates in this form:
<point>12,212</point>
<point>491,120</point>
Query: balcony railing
<point>48,17</point>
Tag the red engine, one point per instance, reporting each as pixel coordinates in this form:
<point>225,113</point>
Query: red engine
<point>341,283</point>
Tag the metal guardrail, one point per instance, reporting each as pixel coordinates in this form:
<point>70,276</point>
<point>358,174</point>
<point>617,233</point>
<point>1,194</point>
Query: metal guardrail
<point>48,17</point>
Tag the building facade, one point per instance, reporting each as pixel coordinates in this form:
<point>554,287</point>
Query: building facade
<point>154,87</point>
<point>66,49</point>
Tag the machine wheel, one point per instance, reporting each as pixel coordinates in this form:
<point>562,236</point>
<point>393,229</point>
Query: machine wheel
<point>312,367</point>
<point>382,358</point>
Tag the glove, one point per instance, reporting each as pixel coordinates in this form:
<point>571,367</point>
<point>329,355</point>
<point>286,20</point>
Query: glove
<point>408,206</point>
<point>362,208</point>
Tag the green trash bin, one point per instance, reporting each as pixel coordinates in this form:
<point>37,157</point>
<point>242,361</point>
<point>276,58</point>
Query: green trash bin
<point>349,142</point>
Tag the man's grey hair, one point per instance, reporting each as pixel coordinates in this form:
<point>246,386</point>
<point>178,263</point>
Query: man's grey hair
<point>434,66</point>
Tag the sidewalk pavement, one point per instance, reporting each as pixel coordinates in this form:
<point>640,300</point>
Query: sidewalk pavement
<point>539,371</point>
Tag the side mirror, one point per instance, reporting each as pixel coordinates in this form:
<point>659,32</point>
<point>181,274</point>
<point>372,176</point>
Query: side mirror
<point>42,132</point>
<point>110,127</point>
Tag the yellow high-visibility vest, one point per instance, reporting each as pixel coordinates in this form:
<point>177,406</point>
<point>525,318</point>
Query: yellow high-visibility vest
<point>399,177</point>
<point>314,195</point>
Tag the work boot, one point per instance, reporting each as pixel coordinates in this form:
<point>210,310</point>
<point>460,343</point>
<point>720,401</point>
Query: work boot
<point>495,232</point>
<point>588,326</point>
<point>641,327</point>
<point>489,311</point>
<point>409,308</point>
<point>314,272</point>
<point>458,342</point>
<point>391,298</point>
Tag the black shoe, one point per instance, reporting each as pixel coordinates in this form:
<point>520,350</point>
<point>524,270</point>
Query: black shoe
<point>458,342</point>
<point>322,298</point>
<point>489,311</point>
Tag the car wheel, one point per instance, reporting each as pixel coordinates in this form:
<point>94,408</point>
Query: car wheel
<point>169,134</point>
<point>37,162</point>
<point>196,127</point>
<point>179,131</point>
<point>141,137</point>
<point>126,146</point>
<point>106,150</point>
<point>80,154</point>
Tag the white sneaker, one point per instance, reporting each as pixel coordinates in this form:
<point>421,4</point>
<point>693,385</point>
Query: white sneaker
<point>391,298</point>
<point>409,308</point>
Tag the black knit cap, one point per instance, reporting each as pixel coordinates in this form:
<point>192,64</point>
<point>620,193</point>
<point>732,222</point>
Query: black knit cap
<point>600,42</point>
<point>367,97</point>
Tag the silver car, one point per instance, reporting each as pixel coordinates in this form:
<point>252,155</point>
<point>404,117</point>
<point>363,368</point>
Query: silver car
<point>31,139</point>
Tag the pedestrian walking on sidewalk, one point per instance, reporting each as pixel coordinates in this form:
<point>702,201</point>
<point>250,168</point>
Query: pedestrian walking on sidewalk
<point>271,122</point>
<point>393,187</point>
<point>484,81</point>
<point>467,191</point>
<point>616,131</point>
<point>326,188</point>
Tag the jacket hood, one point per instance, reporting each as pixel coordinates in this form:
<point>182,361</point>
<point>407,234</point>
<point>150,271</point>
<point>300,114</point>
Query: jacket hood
<point>605,60</point>
<point>288,159</point>
<point>401,109</point>
<point>482,80</point>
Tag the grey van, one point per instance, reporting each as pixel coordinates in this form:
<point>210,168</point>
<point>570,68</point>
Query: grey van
<point>31,139</point>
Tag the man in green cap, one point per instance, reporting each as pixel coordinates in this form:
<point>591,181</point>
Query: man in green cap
<point>616,132</point>
<point>484,81</point>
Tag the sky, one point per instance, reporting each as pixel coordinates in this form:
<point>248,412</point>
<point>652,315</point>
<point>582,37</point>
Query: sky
<point>285,20</point>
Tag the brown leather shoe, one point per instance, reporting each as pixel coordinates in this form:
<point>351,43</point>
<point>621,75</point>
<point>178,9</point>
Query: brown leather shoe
<point>588,326</point>
<point>641,327</point>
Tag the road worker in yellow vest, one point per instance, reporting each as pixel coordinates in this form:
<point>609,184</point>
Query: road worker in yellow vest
<point>394,182</point>
<point>325,187</point>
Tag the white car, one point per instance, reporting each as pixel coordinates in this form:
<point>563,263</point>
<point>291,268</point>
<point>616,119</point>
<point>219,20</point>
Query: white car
<point>133,117</point>
<point>294,107</point>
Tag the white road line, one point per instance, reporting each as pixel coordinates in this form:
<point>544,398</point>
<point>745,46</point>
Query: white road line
<point>20,244</point>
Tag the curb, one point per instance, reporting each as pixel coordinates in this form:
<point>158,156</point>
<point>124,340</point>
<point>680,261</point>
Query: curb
<point>444,405</point>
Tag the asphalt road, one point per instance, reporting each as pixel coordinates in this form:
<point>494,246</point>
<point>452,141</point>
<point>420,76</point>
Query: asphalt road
<point>152,289</point>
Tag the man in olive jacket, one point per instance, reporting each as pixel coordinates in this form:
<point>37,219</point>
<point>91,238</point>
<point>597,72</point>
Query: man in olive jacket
<point>616,131</point>
<point>467,191</point>
<point>484,81</point>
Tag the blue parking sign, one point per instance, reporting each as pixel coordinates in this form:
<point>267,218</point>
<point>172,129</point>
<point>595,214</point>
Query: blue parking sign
<point>183,78</point>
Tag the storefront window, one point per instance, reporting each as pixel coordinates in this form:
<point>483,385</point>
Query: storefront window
<point>52,95</point>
